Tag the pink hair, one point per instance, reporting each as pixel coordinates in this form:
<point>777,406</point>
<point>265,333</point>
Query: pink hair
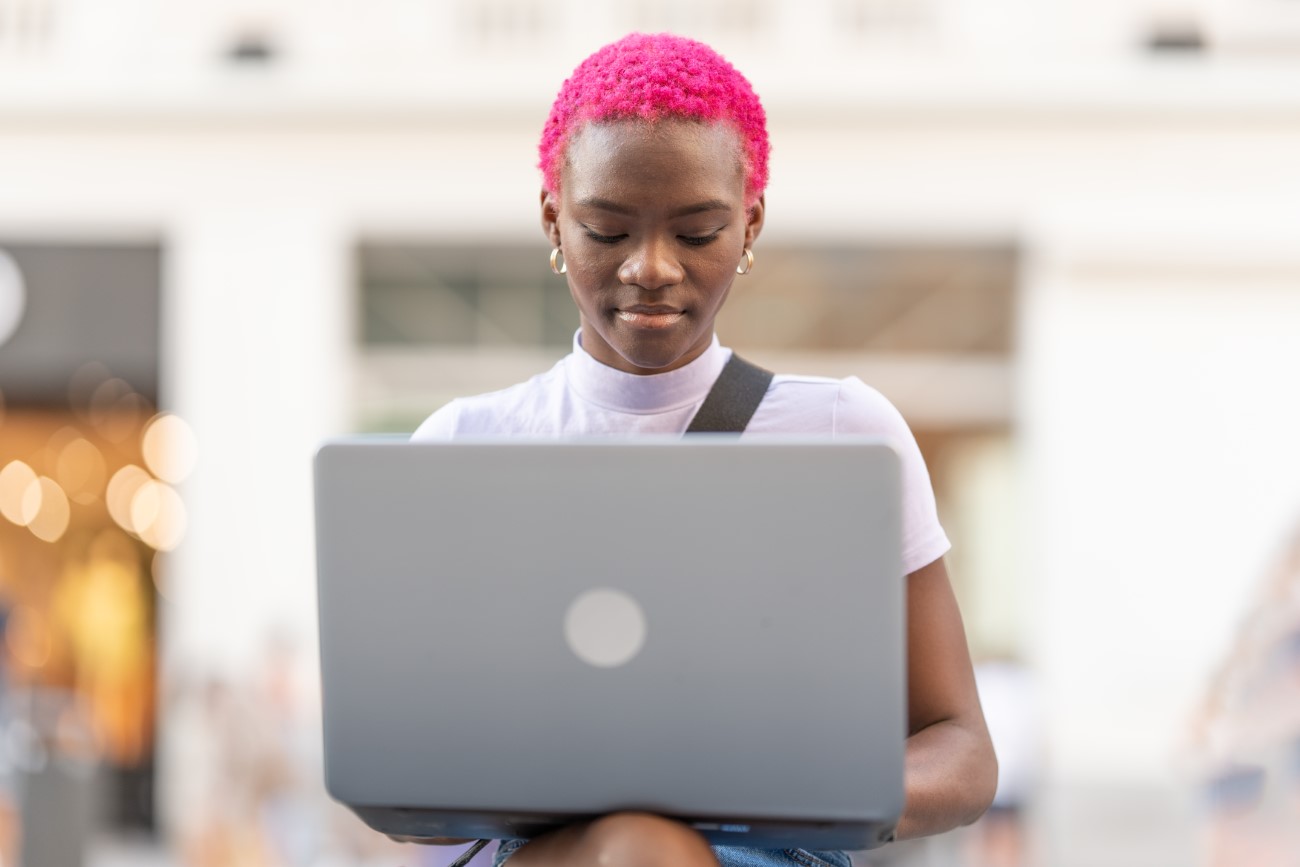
<point>653,77</point>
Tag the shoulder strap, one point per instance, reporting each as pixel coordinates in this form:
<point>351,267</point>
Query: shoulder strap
<point>735,395</point>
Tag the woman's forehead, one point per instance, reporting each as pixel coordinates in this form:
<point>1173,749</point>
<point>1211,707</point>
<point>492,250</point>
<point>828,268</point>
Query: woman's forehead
<point>672,157</point>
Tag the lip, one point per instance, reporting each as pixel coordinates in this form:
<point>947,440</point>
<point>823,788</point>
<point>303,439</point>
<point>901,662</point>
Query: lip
<point>649,315</point>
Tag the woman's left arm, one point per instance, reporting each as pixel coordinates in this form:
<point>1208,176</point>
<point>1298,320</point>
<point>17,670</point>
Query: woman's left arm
<point>950,771</point>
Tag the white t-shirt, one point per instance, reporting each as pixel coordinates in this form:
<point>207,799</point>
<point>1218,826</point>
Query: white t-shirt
<point>580,396</point>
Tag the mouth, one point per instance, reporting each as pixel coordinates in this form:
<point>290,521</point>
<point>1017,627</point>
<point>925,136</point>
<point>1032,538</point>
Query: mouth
<point>649,315</point>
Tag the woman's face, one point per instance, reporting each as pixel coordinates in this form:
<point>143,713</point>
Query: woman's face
<point>652,223</point>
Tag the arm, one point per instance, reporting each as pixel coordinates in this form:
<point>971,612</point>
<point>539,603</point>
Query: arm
<point>950,771</point>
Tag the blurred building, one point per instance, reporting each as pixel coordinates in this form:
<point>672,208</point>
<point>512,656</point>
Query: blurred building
<point>1061,237</point>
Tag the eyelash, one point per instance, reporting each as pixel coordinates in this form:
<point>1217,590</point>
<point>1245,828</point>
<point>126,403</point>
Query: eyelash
<point>700,240</point>
<point>690,240</point>
<point>604,239</point>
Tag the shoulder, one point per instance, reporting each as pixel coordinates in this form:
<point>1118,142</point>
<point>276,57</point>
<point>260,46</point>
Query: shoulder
<point>828,405</point>
<point>502,412</point>
<point>860,409</point>
<point>439,426</point>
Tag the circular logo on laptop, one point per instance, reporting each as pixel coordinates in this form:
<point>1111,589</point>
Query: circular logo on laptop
<point>605,627</point>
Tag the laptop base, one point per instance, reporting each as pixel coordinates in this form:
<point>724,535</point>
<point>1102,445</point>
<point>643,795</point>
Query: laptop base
<point>719,831</point>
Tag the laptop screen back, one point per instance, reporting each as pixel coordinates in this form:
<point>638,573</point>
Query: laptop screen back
<point>708,629</point>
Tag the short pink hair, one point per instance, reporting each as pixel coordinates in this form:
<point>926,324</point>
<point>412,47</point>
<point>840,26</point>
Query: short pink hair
<point>653,77</point>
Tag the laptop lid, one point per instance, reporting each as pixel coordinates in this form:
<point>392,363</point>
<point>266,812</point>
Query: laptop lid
<point>520,634</point>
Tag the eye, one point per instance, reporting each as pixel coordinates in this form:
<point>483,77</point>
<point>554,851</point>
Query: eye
<point>700,240</point>
<point>602,239</point>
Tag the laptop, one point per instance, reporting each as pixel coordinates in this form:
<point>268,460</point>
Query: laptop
<point>516,635</point>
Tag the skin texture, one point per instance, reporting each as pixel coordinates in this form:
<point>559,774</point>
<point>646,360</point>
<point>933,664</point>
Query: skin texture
<point>637,188</point>
<point>949,769</point>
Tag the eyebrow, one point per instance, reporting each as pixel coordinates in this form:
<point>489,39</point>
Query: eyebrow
<point>616,208</point>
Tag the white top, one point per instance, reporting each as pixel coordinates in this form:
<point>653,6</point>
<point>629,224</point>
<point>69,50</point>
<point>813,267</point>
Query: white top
<point>580,396</point>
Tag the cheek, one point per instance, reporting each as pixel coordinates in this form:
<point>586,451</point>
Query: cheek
<point>589,267</point>
<point>719,271</point>
<point>723,256</point>
<point>589,279</point>
<point>582,252</point>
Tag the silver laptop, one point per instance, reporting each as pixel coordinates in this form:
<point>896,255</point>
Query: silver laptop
<point>518,635</point>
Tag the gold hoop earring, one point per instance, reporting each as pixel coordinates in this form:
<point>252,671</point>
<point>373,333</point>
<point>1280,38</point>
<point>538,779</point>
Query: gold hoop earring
<point>744,269</point>
<point>560,266</point>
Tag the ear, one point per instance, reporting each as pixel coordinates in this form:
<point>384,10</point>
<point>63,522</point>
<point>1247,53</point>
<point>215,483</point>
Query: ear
<point>551,217</point>
<point>754,221</point>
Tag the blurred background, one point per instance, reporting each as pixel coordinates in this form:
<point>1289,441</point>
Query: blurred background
<point>1064,238</point>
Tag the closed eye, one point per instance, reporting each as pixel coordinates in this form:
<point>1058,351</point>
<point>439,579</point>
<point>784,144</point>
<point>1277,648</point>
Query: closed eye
<point>700,240</point>
<point>602,239</point>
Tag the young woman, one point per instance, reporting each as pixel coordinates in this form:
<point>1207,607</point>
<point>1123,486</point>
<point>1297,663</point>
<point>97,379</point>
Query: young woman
<point>654,161</point>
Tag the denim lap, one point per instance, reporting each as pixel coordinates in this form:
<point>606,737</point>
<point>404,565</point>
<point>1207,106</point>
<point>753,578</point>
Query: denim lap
<point>507,848</point>
<point>738,856</point>
<point>733,856</point>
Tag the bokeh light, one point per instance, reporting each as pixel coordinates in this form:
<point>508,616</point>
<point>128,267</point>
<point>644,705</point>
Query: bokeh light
<point>170,448</point>
<point>116,409</point>
<point>158,515</point>
<point>121,492</point>
<point>33,499</point>
<point>51,512</point>
<point>81,471</point>
<point>14,481</point>
<point>145,505</point>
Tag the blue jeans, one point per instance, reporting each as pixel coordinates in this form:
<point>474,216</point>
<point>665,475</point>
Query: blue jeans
<point>734,856</point>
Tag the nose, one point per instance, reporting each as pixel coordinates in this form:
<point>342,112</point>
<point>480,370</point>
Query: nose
<point>653,264</point>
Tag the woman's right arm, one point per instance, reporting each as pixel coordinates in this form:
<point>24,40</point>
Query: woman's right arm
<point>950,770</point>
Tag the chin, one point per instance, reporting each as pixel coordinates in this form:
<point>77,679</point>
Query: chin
<point>650,360</point>
<point>655,351</point>
<point>650,354</point>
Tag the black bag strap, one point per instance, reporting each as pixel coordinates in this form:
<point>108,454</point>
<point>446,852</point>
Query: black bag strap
<point>733,399</point>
